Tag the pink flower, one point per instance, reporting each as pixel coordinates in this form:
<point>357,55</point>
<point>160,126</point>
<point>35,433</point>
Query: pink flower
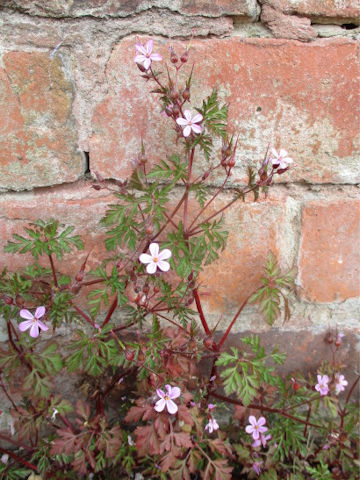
<point>340,383</point>
<point>32,321</point>
<point>145,55</point>
<point>280,160</point>
<point>262,440</point>
<point>322,385</point>
<point>256,467</point>
<point>256,427</point>
<point>190,123</point>
<point>166,399</point>
<point>211,406</point>
<point>156,259</point>
<point>212,425</point>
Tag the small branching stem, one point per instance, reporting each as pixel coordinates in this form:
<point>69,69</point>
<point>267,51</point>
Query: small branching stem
<point>53,270</point>
<point>111,311</point>
<point>226,334</point>
<point>19,459</point>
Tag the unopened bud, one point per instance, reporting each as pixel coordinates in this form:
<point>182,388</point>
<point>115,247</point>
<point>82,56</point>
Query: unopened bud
<point>19,300</point>
<point>149,230</point>
<point>146,289</point>
<point>209,343</point>
<point>185,56</point>
<point>205,175</point>
<point>79,277</point>
<point>129,355</point>
<point>156,290</point>
<point>174,93</point>
<point>96,187</point>
<point>282,170</point>
<point>189,301</point>
<point>141,67</point>
<point>186,94</point>
<point>98,176</point>
<point>173,57</point>
<point>231,162</point>
<point>168,112</point>
<point>330,340</point>
<point>176,109</point>
<point>8,300</point>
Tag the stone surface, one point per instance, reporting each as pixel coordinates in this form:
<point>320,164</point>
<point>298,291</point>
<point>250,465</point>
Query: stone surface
<point>293,95</point>
<point>38,144</point>
<point>332,11</point>
<point>287,26</point>
<point>329,264</point>
<point>123,8</point>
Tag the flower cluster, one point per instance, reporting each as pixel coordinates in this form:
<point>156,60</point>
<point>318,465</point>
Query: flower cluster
<point>257,429</point>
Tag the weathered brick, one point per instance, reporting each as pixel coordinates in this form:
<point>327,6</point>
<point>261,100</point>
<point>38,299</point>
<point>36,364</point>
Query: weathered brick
<point>340,10</point>
<point>37,131</point>
<point>255,229</point>
<point>284,92</point>
<point>79,206</point>
<point>329,264</point>
<point>123,8</point>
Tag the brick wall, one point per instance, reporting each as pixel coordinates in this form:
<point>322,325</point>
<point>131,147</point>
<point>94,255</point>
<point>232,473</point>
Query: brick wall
<point>290,71</point>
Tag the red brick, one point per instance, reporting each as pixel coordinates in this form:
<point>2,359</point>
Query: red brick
<point>255,229</point>
<point>79,206</point>
<point>308,96</point>
<point>335,9</point>
<point>37,131</point>
<point>122,8</point>
<point>329,265</point>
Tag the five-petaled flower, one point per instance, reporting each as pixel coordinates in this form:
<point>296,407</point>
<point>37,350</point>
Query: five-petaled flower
<point>145,55</point>
<point>32,321</point>
<point>212,425</point>
<point>256,427</point>
<point>280,159</point>
<point>322,385</point>
<point>190,124</point>
<point>166,399</point>
<point>257,467</point>
<point>156,259</point>
<point>340,383</point>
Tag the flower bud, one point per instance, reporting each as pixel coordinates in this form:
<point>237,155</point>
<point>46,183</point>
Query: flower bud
<point>173,57</point>
<point>8,300</point>
<point>19,300</point>
<point>149,230</point>
<point>96,187</point>
<point>231,162</point>
<point>185,56</point>
<point>209,343</point>
<point>329,339</point>
<point>168,111</point>
<point>176,110</point>
<point>205,175</point>
<point>141,67</point>
<point>186,94</point>
<point>156,290</point>
<point>129,355</point>
<point>79,276</point>
<point>174,93</point>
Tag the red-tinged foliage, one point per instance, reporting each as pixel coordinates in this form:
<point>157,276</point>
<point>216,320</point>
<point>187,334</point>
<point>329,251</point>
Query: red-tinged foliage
<point>147,440</point>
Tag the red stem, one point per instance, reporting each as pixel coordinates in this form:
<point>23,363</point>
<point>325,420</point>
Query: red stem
<point>111,311</point>
<point>53,270</point>
<point>224,337</point>
<point>82,314</point>
<point>19,459</point>
<point>265,409</point>
<point>201,313</point>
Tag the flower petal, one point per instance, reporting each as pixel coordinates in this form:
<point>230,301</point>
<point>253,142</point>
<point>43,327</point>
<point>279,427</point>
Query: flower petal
<point>26,314</point>
<point>160,405</point>
<point>196,128</point>
<point>171,407</point>
<point>147,63</point>
<point>145,258</point>
<point>25,325</point>
<point>154,249</point>
<point>252,420</point>
<point>156,57</point>
<point>283,153</point>
<point>181,121</point>
<point>175,392</point>
<point>40,312</point>
<point>187,115</point>
<point>34,330</point>
<point>249,429</point>
<point>164,254</point>
<point>261,421</point>
<point>160,393</point>
<point>151,267</point>
<point>197,119</point>
<point>274,152</point>
<point>164,266</point>
<point>139,58</point>
<point>140,48</point>
<point>187,131</point>
<point>149,46</point>
<point>255,434</point>
<point>42,325</point>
